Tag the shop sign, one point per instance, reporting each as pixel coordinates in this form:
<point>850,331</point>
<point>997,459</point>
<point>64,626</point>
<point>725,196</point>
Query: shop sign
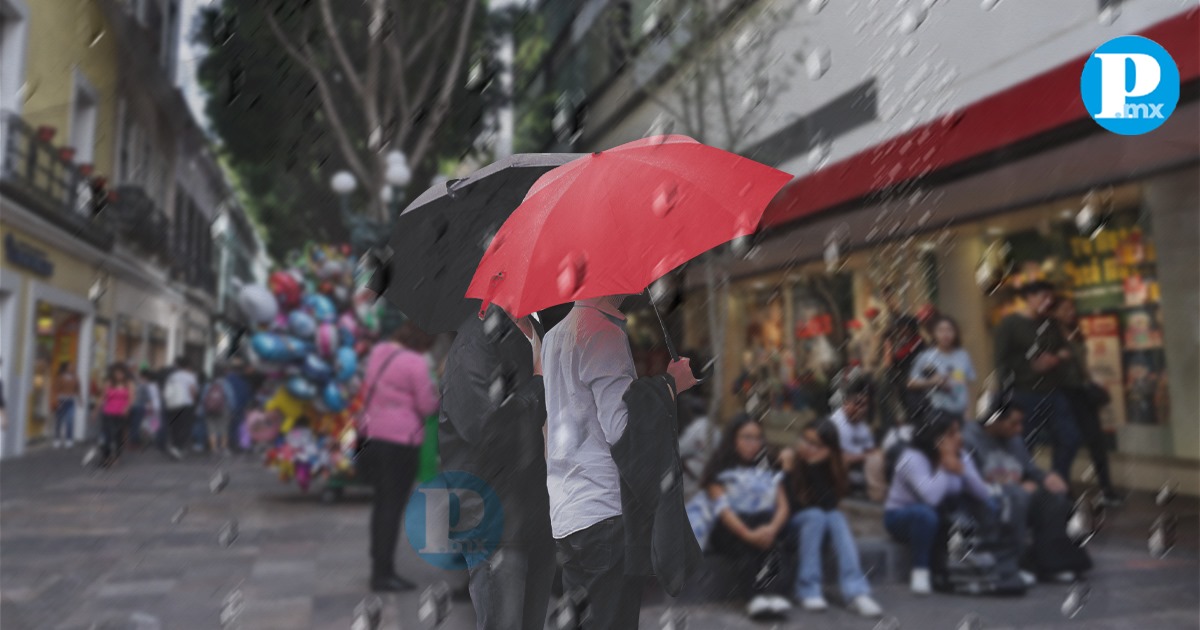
<point>26,256</point>
<point>1105,364</point>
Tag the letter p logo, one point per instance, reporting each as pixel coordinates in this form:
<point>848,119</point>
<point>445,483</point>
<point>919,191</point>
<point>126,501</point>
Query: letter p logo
<point>454,521</point>
<point>1130,85</point>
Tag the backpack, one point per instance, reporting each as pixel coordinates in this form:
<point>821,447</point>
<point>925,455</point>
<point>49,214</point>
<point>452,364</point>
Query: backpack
<point>972,557</point>
<point>215,401</point>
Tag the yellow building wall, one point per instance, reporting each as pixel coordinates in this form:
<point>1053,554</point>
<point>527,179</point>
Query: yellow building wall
<point>65,36</point>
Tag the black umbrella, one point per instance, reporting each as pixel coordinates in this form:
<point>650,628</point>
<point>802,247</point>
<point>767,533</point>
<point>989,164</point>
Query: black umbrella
<point>441,236</point>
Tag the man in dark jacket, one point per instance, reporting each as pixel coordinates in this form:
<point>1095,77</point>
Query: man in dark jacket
<point>492,413</point>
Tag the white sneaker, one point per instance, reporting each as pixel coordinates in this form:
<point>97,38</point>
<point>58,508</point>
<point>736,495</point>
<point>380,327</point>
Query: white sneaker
<point>57,443</point>
<point>919,582</point>
<point>780,604</point>
<point>815,604</point>
<point>866,607</point>
<point>1028,578</point>
<point>759,607</point>
<point>70,443</point>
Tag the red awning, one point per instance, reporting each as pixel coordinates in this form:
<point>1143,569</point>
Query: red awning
<point>1046,102</point>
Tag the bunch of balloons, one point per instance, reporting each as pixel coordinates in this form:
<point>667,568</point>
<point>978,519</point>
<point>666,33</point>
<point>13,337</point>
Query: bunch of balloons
<point>315,321</point>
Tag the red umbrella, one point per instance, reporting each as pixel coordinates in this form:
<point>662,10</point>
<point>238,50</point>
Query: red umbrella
<point>613,222</point>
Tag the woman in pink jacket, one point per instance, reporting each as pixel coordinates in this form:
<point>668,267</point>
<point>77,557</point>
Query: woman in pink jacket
<point>399,394</point>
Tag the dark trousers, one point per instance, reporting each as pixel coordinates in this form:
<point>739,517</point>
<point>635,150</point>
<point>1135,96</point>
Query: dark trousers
<point>115,430</point>
<point>391,469</point>
<point>180,422</point>
<point>511,590</point>
<point>1087,416</point>
<point>1049,417</point>
<point>760,572</point>
<point>1041,518</point>
<point>593,574</point>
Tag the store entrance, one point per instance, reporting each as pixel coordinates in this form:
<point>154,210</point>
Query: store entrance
<point>56,341</point>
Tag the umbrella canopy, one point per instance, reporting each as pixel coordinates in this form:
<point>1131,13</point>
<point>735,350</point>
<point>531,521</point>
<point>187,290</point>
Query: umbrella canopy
<point>613,222</point>
<point>440,237</point>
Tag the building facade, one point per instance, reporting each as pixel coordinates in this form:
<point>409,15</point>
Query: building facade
<point>107,196</point>
<point>938,147</point>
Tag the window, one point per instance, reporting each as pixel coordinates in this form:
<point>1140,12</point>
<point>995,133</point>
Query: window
<point>14,25</point>
<point>84,103</point>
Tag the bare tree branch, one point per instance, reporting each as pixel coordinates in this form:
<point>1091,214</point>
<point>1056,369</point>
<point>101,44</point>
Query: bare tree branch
<point>339,51</point>
<point>442,106</point>
<point>304,58</point>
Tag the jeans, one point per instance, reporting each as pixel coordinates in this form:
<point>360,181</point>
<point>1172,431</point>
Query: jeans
<point>511,591</point>
<point>136,415</point>
<point>1051,412</point>
<point>180,421</point>
<point>64,419</point>
<point>916,525</point>
<point>813,524</point>
<point>391,469</point>
<point>115,430</point>
<point>593,572</point>
<point>1088,418</point>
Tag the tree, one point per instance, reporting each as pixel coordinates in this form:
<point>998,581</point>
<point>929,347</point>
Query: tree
<point>296,91</point>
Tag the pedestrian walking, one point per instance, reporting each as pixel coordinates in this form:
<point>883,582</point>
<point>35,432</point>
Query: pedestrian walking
<point>67,394</point>
<point>933,469</point>
<point>588,368</point>
<point>179,396</point>
<point>399,395</point>
<point>817,481</point>
<point>1038,506</point>
<point>151,426</point>
<point>1033,359</point>
<point>941,374</point>
<point>497,436</point>
<point>238,379</point>
<point>216,408</point>
<point>116,400</point>
<point>751,509</point>
<point>1087,397</point>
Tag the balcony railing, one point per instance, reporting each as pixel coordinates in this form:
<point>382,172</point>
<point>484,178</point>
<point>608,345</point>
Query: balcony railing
<point>139,223</point>
<point>35,174</point>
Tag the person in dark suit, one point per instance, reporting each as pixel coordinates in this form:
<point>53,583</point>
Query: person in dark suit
<point>492,414</point>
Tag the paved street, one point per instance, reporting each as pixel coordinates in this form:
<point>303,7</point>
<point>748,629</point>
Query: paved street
<point>148,546</point>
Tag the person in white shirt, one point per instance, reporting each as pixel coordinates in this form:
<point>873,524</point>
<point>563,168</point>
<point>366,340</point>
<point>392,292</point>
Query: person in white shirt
<point>587,368</point>
<point>179,397</point>
<point>857,439</point>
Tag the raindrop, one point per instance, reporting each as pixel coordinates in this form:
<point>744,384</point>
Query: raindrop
<point>228,533</point>
<point>496,390</point>
<point>815,6</point>
<point>832,256</point>
<point>970,622</point>
<point>660,289</point>
<point>1162,535</point>
<point>1089,474</point>
<point>571,273</point>
<point>817,62</point>
<point>434,606</point>
<point>928,4</point>
<point>668,481</point>
<point>1166,494</point>
<point>90,456</point>
<point>1109,15</point>
<point>888,623</point>
<point>231,607</point>
<point>665,199</point>
<point>144,621</point>
<point>818,155</point>
<point>1085,220</point>
<point>672,618</point>
<point>988,5</point>
<point>368,614</point>
<point>745,190</point>
<point>99,35</point>
<point>177,517</point>
<point>909,46</point>
<point>491,323</point>
<point>1075,600</point>
<point>569,611</point>
<point>218,482</point>
<point>740,246</point>
<point>911,20</point>
<point>1081,526</point>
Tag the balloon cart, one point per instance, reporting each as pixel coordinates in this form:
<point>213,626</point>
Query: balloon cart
<point>315,321</point>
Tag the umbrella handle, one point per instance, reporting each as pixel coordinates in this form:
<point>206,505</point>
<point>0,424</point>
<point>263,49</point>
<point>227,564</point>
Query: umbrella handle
<point>706,372</point>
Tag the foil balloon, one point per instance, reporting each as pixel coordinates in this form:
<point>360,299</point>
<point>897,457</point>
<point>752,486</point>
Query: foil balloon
<point>257,303</point>
<point>302,325</point>
<point>331,269</point>
<point>270,347</point>
<point>280,324</point>
<point>301,388</point>
<point>321,307</point>
<point>315,369</point>
<point>345,364</point>
<point>296,349</point>
<point>327,339</point>
<point>348,324</point>
<point>285,287</point>
<point>341,295</point>
<point>335,397</point>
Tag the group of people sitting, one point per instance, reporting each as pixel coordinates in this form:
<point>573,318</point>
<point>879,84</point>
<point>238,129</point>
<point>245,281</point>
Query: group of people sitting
<point>774,512</point>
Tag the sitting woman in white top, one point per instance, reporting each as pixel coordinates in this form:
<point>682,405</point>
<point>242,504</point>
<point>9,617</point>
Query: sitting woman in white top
<point>933,469</point>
